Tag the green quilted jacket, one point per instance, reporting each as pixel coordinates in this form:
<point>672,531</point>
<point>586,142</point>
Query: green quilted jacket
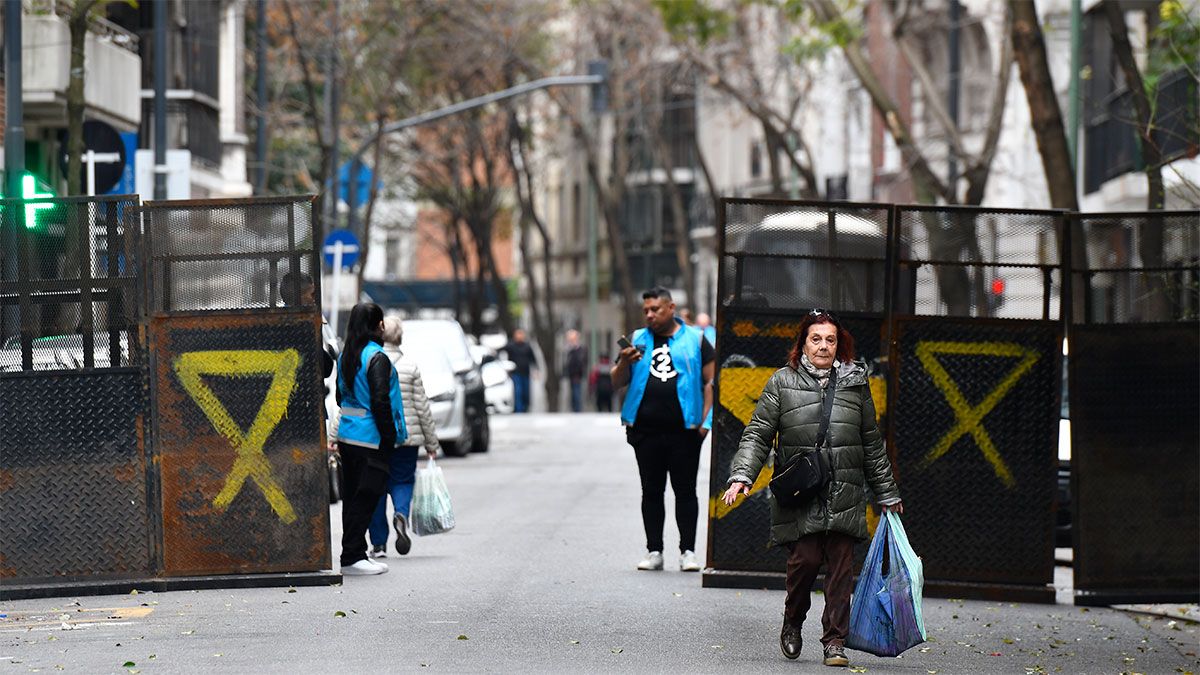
<point>790,409</point>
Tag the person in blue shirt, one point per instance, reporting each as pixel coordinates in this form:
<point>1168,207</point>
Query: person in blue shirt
<point>371,425</point>
<point>669,368</point>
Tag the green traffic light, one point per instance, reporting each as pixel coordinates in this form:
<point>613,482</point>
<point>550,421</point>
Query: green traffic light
<point>29,191</point>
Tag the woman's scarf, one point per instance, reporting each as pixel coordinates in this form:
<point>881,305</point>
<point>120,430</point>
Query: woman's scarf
<point>821,374</point>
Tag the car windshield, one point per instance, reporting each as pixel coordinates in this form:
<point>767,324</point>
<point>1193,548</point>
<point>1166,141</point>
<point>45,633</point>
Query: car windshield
<point>444,337</point>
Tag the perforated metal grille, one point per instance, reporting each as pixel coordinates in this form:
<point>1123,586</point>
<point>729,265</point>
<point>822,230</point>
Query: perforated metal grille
<point>69,289</point>
<point>975,427</point>
<point>232,254</point>
<point>979,262</point>
<point>790,255</point>
<point>1137,268</point>
<point>1134,444</point>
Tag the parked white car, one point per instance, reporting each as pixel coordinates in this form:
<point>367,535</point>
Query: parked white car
<point>498,390</point>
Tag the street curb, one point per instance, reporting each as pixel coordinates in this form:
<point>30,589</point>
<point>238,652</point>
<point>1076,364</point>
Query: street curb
<point>161,585</point>
<point>1190,615</point>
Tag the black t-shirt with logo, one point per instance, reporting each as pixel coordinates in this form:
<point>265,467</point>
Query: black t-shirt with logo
<point>660,409</point>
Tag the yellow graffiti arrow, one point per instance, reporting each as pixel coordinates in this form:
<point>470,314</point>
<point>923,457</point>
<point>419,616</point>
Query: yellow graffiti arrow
<point>251,462</point>
<point>968,418</point>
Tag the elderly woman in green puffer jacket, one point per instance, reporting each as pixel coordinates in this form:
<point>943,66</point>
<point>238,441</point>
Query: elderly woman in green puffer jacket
<point>827,529</point>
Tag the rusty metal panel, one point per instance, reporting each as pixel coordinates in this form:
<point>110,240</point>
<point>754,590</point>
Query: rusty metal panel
<point>73,477</point>
<point>1135,402</point>
<point>975,439</point>
<point>238,436</point>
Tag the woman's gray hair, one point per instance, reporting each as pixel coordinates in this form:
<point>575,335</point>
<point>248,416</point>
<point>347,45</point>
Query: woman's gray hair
<point>392,330</point>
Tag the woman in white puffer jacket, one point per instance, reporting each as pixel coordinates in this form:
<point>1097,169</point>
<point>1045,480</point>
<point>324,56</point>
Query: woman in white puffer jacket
<point>421,433</point>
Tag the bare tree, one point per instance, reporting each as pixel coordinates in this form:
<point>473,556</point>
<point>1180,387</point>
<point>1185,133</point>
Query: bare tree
<point>83,13</point>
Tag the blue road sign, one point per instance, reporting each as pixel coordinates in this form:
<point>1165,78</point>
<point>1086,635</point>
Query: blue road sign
<point>349,244</point>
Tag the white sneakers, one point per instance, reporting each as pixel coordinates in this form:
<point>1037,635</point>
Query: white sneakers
<point>364,567</point>
<point>652,561</point>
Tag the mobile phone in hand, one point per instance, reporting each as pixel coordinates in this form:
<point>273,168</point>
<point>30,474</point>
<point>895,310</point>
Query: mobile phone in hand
<point>623,342</point>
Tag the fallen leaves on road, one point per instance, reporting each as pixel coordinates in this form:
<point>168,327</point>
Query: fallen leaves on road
<point>462,637</point>
<point>339,614</point>
<point>617,650</point>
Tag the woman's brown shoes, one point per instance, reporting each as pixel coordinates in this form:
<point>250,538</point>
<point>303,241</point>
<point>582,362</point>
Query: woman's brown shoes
<point>789,640</point>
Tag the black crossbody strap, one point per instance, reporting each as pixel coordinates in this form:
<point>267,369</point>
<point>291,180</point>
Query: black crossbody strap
<point>827,407</point>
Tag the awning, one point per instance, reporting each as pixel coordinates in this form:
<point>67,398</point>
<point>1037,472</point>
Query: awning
<point>419,294</point>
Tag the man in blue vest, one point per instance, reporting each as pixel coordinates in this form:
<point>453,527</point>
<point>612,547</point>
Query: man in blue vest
<point>669,368</point>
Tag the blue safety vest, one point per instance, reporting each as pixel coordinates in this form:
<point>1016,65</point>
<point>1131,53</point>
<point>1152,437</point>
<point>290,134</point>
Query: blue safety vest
<point>357,425</point>
<point>689,383</point>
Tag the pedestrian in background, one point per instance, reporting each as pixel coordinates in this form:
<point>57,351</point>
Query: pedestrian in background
<point>371,424</point>
<point>521,354</point>
<point>788,418</point>
<point>704,323</point>
<point>669,370</point>
<point>576,369</point>
<point>600,382</point>
<point>421,434</point>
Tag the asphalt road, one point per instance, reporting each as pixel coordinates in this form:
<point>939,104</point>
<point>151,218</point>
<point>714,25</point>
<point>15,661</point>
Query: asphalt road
<point>539,576</point>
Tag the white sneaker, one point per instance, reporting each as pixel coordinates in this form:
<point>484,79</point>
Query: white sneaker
<point>377,552</point>
<point>363,567</point>
<point>652,561</point>
<point>688,562</point>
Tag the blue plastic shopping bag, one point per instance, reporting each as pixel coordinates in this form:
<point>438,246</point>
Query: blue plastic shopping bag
<point>885,612</point>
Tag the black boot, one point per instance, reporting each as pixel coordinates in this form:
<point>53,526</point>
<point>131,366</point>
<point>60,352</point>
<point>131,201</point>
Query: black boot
<point>789,640</point>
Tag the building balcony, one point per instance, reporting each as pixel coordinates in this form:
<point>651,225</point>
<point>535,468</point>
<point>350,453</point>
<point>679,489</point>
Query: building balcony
<point>112,84</point>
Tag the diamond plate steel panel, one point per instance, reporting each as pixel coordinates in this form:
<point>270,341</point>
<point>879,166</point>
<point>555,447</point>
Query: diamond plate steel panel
<point>239,433</point>
<point>975,433</point>
<point>73,476</point>
<point>1135,400</point>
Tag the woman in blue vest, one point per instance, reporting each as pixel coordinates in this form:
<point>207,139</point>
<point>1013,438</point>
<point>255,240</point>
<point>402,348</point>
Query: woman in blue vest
<point>372,423</point>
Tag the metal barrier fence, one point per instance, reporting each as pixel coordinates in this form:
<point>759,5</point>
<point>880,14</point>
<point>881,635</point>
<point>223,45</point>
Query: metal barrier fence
<point>100,491</point>
<point>956,311</point>
<point>1135,399</point>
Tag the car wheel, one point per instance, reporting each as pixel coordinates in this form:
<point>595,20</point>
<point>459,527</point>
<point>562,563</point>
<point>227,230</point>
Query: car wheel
<point>483,436</point>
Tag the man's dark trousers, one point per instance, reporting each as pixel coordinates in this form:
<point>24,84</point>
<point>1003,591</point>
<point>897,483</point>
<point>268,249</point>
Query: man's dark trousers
<point>674,454</point>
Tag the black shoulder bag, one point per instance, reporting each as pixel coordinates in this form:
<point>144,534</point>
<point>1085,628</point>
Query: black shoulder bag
<point>802,479</point>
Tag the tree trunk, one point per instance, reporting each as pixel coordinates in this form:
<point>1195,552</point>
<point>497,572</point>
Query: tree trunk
<point>679,220</point>
<point>1150,239</point>
<point>372,195</point>
<point>78,24</point>
<point>1029,47</point>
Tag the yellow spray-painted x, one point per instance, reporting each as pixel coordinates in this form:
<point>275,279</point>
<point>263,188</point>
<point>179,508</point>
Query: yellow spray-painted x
<point>968,418</point>
<point>251,462</point>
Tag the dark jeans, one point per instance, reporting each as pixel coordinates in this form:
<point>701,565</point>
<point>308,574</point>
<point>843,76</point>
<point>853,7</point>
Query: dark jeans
<point>675,454</point>
<point>576,394</point>
<point>520,393</point>
<point>364,480</point>
<point>836,550</point>
<point>603,400</point>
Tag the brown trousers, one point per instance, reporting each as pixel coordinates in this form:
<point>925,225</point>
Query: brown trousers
<point>836,550</point>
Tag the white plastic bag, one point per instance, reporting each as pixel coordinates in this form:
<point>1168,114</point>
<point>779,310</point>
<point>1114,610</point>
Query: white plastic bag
<point>431,509</point>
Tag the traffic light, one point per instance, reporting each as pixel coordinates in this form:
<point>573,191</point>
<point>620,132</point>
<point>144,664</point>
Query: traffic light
<point>29,190</point>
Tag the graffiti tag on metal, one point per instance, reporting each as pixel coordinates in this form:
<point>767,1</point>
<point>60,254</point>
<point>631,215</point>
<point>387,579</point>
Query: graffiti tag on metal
<point>969,418</point>
<point>251,462</point>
